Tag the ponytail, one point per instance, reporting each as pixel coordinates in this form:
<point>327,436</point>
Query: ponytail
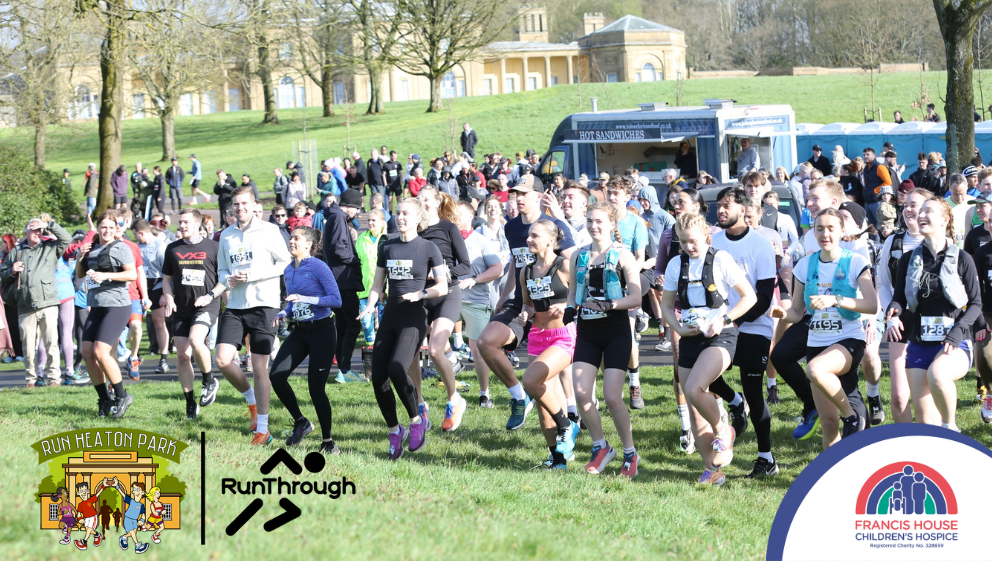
<point>688,221</point>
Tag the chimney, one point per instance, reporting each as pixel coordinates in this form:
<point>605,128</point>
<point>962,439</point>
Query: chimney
<point>592,22</point>
<point>595,104</point>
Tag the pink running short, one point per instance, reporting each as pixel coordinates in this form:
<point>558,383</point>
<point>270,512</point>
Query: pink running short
<point>540,340</point>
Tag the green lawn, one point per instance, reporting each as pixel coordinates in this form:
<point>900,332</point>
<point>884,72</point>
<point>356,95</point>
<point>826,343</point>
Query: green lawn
<point>477,491</point>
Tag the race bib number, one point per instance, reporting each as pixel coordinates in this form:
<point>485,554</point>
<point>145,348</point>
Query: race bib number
<point>302,311</point>
<point>690,317</point>
<point>400,269</point>
<point>240,256</point>
<point>586,313</point>
<point>540,288</point>
<point>826,322</point>
<point>522,257</point>
<point>934,329</point>
<point>194,277</point>
<point>392,173</point>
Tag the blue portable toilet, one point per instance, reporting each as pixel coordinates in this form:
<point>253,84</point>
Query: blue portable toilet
<point>908,140</point>
<point>935,140</point>
<point>868,135</point>
<point>829,136</point>
<point>804,142</point>
<point>983,140</point>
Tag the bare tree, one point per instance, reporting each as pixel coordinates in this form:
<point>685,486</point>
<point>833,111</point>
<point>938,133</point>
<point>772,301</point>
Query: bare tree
<point>448,33</point>
<point>317,49</point>
<point>378,29</point>
<point>257,29</point>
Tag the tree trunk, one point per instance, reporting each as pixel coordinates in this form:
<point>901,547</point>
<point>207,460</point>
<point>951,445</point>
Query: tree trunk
<point>375,89</point>
<point>40,132</point>
<point>168,119</point>
<point>268,90</point>
<point>435,106</point>
<point>327,90</point>
<point>111,101</point>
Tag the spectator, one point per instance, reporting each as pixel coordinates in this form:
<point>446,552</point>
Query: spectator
<point>818,160</point>
<point>194,182</point>
<point>434,174</point>
<point>359,164</point>
<point>92,188</point>
<point>461,163</point>
<point>875,176</point>
<point>30,267</point>
<point>136,180</point>
<point>247,181</point>
<point>8,296</point>
<point>66,182</point>
<point>278,187</point>
<point>498,188</point>
<point>649,193</point>
<point>393,178</point>
<point>339,175</point>
<point>280,217</point>
<point>295,192</point>
<point>781,175</point>
<point>840,158</point>
<point>468,140</point>
<point>447,183</point>
<point>377,202</point>
<point>925,176</point>
<point>886,212</point>
<point>158,189</point>
<point>223,188</point>
<point>367,248</point>
<point>355,180</point>
<point>174,179</point>
<point>897,117</point>
<point>300,217</point>
<point>685,160</point>
<point>374,175</point>
<point>932,116</point>
<point>321,214</point>
<point>512,177</point>
<point>416,182</point>
<point>297,168</point>
<point>782,223</point>
<point>895,170</point>
<point>118,181</point>
<point>851,181</point>
<point>747,159</point>
<point>339,253</point>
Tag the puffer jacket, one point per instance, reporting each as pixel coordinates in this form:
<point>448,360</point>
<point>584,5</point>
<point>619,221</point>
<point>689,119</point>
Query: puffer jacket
<point>37,288</point>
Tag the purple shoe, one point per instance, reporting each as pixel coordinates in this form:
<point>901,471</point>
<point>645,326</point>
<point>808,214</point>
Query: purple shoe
<point>418,434</point>
<point>425,414</point>
<point>396,443</point>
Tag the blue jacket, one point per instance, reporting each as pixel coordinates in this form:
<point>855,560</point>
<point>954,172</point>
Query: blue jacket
<point>313,281</point>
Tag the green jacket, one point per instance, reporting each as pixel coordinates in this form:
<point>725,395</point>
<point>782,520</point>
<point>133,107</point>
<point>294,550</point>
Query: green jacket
<point>368,253</point>
<point>37,288</point>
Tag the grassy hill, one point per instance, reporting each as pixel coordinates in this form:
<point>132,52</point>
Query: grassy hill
<point>509,122</point>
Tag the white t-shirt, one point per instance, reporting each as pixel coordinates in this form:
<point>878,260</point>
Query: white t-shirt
<point>826,326</point>
<point>726,275</point>
<point>885,280</point>
<point>958,213</point>
<point>755,255</point>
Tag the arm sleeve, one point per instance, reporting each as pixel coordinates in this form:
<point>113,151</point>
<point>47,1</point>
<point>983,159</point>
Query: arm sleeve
<point>898,302</point>
<point>5,272</point>
<point>280,260</point>
<point>463,263</point>
<point>765,290</point>
<point>63,237</point>
<point>973,311</point>
<point>640,235</point>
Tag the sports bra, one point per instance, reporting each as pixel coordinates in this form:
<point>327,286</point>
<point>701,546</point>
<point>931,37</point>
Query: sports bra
<point>547,290</point>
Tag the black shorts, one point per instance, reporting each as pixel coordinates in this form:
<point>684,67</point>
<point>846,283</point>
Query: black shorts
<point>849,380</point>
<point>751,355</point>
<point>647,279</point>
<point>155,294</point>
<point>449,307</point>
<point>120,200</point>
<point>106,324</point>
<point>256,323</point>
<point>510,317</point>
<point>394,189</point>
<point>691,347</point>
<point>608,341</point>
<point>181,325</point>
<point>196,183</point>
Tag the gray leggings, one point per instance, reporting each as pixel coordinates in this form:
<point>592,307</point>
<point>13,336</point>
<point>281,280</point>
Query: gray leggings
<point>66,323</point>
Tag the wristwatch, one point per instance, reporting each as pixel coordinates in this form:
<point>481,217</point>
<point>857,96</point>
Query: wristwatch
<point>727,322</point>
<point>423,293</point>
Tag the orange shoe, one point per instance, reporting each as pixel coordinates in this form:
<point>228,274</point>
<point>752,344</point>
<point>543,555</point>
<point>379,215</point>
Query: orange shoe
<point>261,438</point>
<point>453,415</point>
<point>253,409</point>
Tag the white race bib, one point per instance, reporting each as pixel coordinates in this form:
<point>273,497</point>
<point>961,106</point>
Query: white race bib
<point>302,311</point>
<point>194,277</point>
<point>586,313</point>
<point>934,328</point>
<point>400,269</point>
<point>392,173</point>
<point>540,288</point>
<point>522,257</point>
<point>826,322</point>
<point>690,317</point>
<point>240,256</point>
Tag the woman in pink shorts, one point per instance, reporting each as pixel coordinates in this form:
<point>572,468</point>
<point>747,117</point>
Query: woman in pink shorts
<point>551,342</point>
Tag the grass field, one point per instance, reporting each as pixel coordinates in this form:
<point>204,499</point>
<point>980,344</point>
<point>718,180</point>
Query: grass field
<point>509,122</point>
<point>477,493</point>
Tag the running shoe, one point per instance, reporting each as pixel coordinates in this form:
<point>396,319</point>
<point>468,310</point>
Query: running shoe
<point>485,402</point>
<point>853,424</point>
<point>763,468</point>
<point>425,414</point>
<point>253,423</point>
<point>664,346</point>
<point>513,358</point>
<point>396,441</point>
<point>261,438</point>
<point>301,428</point>
<point>987,409</point>
<point>72,377</point>
<point>349,377</point>
<point>565,440</point>
<point>418,434</point>
<point>134,363</point>
<point>465,355</point>
<point>553,464</point>
<point>519,408</point>
<point>141,547</point>
<point>807,426</point>
<point>712,476</point>
<point>123,542</point>
<point>574,417</point>
<point>7,359</point>
<point>123,402</point>
<point>630,462</point>
<point>600,458</point>
<point>982,392</point>
<point>723,447</point>
<point>641,321</point>
<point>773,395</point>
<point>156,539</point>
<point>876,414</point>
<point>453,415</point>
<point>687,443</point>
<point>330,448</point>
<point>738,415</point>
<point>80,544</point>
<point>103,407</point>
<point>209,392</point>
<point>456,365</point>
<point>192,410</point>
<point>163,366</point>
<point>636,401</point>
<point>97,539</point>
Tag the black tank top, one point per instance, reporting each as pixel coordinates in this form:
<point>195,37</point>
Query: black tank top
<point>546,290</point>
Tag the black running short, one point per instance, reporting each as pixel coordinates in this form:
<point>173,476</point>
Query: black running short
<point>849,380</point>
<point>120,200</point>
<point>607,341</point>
<point>181,326</point>
<point>448,307</point>
<point>106,324</point>
<point>691,347</point>
<point>510,317</point>
<point>752,351</point>
<point>155,294</point>
<point>256,323</point>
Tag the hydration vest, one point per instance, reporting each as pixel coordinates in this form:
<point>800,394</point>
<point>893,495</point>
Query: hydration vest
<point>611,280</point>
<point>104,263</point>
<point>895,253</point>
<point>713,298</point>
<point>840,285</point>
<point>950,282</point>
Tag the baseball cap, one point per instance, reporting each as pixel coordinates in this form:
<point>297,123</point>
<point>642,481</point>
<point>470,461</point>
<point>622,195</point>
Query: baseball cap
<point>643,180</point>
<point>816,147</point>
<point>66,170</point>
<point>942,164</point>
<point>982,198</point>
<point>174,159</point>
<point>969,171</point>
<point>529,183</point>
<point>604,176</point>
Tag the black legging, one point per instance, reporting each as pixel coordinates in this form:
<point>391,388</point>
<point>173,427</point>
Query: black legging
<point>786,356</point>
<point>316,340</point>
<point>396,343</point>
<point>348,327</point>
<point>77,334</point>
<point>10,315</point>
<point>761,417</point>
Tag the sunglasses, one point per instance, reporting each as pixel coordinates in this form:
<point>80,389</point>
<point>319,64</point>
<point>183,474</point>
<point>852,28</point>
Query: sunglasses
<point>37,230</point>
<point>280,216</point>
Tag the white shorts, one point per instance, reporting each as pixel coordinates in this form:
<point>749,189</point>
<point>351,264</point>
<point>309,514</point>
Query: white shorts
<point>90,522</point>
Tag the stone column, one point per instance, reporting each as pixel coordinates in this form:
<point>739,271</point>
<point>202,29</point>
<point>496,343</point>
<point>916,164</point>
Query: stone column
<point>568,60</point>
<point>547,71</point>
<point>501,86</point>
<point>523,79</point>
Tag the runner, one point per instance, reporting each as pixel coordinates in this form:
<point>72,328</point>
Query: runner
<point>936,305</point>
<point>407,260</point>
<point>152,255</point>
<point>108,266</point>
<point>311,294</point>
<point>977,238</point>
<point>551,343</point>
<point>836,340</point>
<point>983,262</point>
<point>251,258</point>
<point>604,284</point>
<point>193,303</point>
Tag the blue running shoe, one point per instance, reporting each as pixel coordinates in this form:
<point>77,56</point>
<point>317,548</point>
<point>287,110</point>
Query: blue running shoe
<point>518,412</point>
<point>141,548</point>
<point>807,426</point>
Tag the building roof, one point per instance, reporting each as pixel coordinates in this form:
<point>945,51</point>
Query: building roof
<point>633,23</point>
<point>530,46</point>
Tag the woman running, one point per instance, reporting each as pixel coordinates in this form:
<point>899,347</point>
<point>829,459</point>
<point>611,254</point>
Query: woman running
<point>836,340</point>
<point>439,226</point>
<point>491,212</point>
<point>155,523</point>
<point>407,260</point>
<point>311,293</point>
<point>551,342</point>
<point>897,245</point>
<point>702,278</point>
<point>604,284</point>
<point>107,266</point>
<point>936,304</point>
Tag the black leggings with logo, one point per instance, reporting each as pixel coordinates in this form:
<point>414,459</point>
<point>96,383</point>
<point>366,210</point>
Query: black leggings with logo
<point>314,339</point>
<point>396,344</point>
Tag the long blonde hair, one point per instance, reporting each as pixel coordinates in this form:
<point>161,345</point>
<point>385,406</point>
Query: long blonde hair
<point>612,213</point>
<point>447,207</point>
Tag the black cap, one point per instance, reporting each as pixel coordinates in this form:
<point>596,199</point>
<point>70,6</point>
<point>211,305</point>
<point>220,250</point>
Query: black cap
<point>351,198</point>
<point>817,148</point>
<point>856,210</point>
<point>66,170</point>
<point>192,156</point>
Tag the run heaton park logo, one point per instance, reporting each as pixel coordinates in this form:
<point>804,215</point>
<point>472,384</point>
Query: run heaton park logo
<point>906,504</point>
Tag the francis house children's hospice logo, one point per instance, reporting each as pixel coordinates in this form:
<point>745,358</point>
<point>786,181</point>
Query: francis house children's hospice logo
<point>101,480</point>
